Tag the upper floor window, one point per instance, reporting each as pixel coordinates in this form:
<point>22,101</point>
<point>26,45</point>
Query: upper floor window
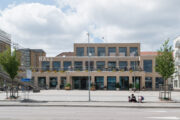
<point>122,51</point>
<point>100,65</point>
<point>134,65</point>
<point>123,65</point>
<point>91,51</point>
<point>78,65</point>
<point>67,65</point>
<point>148,65</point>
<point>111,51</point>
<point>45,65</point>
<point>101,51</point>
<point>133,51</point>
<point>80,51</point>
<point>111,65</point>
<point>91,65</point>
<point>56,65</point>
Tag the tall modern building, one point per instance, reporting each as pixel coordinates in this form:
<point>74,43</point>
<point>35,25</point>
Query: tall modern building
<point>5,41</point>
<point>30,57</point>
<point>110,64</point>
<point>176,80</point>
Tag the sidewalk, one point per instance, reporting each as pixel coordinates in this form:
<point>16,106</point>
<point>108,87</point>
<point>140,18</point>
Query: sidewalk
<point>89,104</point>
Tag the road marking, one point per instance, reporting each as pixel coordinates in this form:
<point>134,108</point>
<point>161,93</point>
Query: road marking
<point>164,118</point>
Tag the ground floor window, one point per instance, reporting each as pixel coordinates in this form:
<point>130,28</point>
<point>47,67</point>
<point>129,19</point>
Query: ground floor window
<point>111,83</point>
<point>159,81</point>
<point>53,82</point>
<point>42,82</point>
<point>80,83</point>
<point>136,82</point>
<point>63,82</point>
<point>148,82</point>
<point>124,82</point>
<point>99,81</point>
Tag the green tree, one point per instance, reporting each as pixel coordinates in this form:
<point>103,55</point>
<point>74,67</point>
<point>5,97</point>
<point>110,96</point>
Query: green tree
<point>10,63</point>
<point>165,63</point>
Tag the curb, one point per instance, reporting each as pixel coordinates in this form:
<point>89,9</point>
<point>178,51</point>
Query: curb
<point>97,106</point>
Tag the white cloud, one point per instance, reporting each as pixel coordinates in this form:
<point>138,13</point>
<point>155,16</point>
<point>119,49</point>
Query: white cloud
<point>55,29</point>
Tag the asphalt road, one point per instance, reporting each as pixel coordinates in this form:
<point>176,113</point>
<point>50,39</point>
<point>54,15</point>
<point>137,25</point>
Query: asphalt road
<point>82,113</point>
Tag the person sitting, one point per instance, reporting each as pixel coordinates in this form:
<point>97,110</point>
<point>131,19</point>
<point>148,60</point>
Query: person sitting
<point>132,98</point>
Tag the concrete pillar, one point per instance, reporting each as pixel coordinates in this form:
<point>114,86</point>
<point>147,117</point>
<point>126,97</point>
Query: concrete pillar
<point>130,79</point>
<point>153,83</point>
<point>96,51</point>
<point>85,51</point>
<point>128,51</point>
<point>105,81</point>
<point>93,79</point>
<point>142,81</point>
<point>47,81</point>
<point>35,81</point>
<point>106,50</point>
<point>117,79</point>
<point>59,82</point>
<point>50,65</point>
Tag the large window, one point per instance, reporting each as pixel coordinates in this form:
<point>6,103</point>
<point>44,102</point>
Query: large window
<point>53,82</point>
<point>42,82</point>
<point>148,82</point>
<point>67,65</point>
<point>91,51</point>
<point>148,65</point>
<point>122,51</point>
<point>111,65</point>
<point>133,51</point>
<point>111,83</point>
<point>99,83</point>
<point>124,82</point>
<point>80,51</point>
<point>123,65</point>
<point>111,51</point>
<point>56,65</point>
<point>45,65</point>
<point>134,65</point>
<point>100,65</point>
<point>91,65</point>
<point>159,81</point>
<point>101,51</point>
<point>78,65</point>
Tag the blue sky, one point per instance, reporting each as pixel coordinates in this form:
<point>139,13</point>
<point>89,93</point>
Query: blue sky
<point>54,25</point>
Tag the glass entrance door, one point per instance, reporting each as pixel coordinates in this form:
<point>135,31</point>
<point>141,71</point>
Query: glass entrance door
<point>124,83</point>
<point>111,83</point>
<point>80,83</point>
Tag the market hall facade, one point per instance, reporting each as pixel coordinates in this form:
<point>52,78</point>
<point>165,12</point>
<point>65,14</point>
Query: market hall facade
<point>109,64</point>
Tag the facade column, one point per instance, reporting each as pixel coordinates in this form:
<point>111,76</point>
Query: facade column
<point>35,81</point>
<point>105,81</point>
<point>142,81</point>
<point>93,79</point>
<point>128,51</point>
<point>153,83</point>
<point>47,81</point>
<point>130,78</point>
<point>59,82</point>
<point>50,65</point>
<point>117,79</point>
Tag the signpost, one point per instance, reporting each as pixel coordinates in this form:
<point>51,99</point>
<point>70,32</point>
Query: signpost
<point>26,96</point>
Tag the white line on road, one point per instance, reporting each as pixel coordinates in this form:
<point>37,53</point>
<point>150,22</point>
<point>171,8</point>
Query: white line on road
<point>164,118</point>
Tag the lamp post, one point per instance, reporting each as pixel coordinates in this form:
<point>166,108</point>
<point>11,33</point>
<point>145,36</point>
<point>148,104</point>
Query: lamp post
<point>89,70</point>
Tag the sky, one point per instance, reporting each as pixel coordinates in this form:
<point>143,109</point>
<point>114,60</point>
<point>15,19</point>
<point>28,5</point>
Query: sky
<point>54,25</point>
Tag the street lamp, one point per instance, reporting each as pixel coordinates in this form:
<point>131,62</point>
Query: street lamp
<point>89,70</point>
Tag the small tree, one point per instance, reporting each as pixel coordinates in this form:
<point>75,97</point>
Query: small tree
<point>165,63</point>
<point>10,63</point>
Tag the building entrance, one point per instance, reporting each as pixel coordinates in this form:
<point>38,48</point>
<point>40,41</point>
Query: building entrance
<point>80,83</point>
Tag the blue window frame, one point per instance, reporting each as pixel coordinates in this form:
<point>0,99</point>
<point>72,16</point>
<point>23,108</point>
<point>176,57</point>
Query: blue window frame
<point>111,51</point>
<point>101,51</point>
<point>148,65</point>
<point>111,83</point>
<point>91,51</point>
<point>123,51</point>
<point>67,65</point>
<point>148,82</point>
<point>99,83</point>
<point>45,65</point>
<point>78,65</point>
<point>133,51</point>
<point>100,65</point>
<point>80,51</point>
<point>56,65</point>
<point>123,65</point>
